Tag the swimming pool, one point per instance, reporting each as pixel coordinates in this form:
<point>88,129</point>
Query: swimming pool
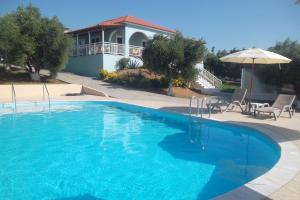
<point>110,150</point>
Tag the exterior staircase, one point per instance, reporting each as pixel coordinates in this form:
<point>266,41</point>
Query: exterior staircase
<point>207,82</point>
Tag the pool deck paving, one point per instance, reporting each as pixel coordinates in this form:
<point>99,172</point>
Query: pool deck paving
<point>281,182</point>
<point>115,91</point>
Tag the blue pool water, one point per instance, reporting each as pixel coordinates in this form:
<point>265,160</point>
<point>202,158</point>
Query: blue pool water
<point>94,150</point>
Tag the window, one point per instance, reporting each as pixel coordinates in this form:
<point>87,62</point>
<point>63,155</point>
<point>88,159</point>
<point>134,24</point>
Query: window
<point>144,42</point>
<point>81,41</point>
<point>95,40</point>
<point>119,40</point>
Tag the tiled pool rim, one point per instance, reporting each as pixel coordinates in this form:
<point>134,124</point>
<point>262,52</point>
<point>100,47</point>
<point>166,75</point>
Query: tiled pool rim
<point>287,167</point>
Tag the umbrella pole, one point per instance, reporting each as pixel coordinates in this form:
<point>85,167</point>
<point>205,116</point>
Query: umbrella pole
<point>251,83</point>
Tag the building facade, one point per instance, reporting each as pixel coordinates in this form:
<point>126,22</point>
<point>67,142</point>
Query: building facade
<point>102,45</point>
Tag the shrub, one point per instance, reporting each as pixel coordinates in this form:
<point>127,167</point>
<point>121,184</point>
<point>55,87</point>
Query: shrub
<point>179,82</point>
<point>108,76</point>
<point>122,63</point>
<point>2,69</point>
<point>103,74</point>
<point>132,64</point>
<point>112,76</point>
<point>164,81</point>
<point>157,83</point>
<point>134,78</point>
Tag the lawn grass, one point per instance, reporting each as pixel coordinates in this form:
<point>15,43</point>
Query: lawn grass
<point>229,87</point>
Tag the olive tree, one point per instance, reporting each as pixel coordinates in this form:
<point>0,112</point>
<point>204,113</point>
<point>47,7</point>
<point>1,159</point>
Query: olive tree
<point>34,42</point>
<point>286,74</point>
<point>173,57</point>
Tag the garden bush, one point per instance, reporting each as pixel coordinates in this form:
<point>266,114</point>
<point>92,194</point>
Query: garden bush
<point>134,78</point>
<point>108,76</point>
<point>122,63</point>
<point>132,64</point>
<point>179,82</point>
<point>103,74</point>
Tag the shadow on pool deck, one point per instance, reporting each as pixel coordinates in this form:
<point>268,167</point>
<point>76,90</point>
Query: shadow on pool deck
<point>81,197</point>
<point>185,110</point>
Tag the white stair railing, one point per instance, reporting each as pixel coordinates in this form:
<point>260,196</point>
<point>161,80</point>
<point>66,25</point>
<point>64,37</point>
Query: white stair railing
<point>210,78</point>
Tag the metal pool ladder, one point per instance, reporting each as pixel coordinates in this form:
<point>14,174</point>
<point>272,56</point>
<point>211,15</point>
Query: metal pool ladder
<point>48,95</point>
<point>13,96</point>
<point>198,99</point>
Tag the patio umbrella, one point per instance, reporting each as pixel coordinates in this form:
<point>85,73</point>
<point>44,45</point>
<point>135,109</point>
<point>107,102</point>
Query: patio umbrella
<point>255,56</point>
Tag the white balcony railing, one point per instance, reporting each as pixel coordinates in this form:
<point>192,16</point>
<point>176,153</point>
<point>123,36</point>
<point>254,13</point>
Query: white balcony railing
<point>97,48</point>
<point>135,51</point>
<point>114,48</point>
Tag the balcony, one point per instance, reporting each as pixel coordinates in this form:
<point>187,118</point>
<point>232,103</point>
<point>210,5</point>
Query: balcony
<point>108,48</point>
<point>96,48</point>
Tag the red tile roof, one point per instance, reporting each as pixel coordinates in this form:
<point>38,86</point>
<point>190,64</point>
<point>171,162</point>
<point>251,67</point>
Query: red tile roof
<point>126,19</point>
<point>134,20</point>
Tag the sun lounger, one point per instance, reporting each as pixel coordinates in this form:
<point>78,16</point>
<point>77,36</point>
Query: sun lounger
<point>282,103</point>
<point>237,99</point>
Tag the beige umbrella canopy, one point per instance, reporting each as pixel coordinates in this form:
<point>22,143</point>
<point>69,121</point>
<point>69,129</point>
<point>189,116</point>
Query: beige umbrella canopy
<point>255,56</point>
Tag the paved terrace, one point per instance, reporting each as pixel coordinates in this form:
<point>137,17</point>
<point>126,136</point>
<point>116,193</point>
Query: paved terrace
<point>116,91</point>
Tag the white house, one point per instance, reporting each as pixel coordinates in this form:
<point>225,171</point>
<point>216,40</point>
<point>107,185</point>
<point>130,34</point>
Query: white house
<point>102,45</point>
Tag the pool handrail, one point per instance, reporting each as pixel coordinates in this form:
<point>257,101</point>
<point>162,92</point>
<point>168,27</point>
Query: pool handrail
<point>47,91</point>
<point>13,96</point>
<point>198,99</point>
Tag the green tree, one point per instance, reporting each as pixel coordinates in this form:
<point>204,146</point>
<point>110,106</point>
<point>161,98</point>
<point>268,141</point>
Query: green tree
<point>221,69</point>
<point>211,62</point>
<point>288,73</point>
<point>9,41</point>
<point>27,39</point>
<point>173,57</point>
<point>193,53</point>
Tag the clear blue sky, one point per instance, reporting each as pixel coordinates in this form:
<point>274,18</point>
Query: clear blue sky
<point>225,24</point>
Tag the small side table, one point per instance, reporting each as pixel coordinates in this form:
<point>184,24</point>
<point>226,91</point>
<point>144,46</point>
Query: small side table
<point>257,105</point>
